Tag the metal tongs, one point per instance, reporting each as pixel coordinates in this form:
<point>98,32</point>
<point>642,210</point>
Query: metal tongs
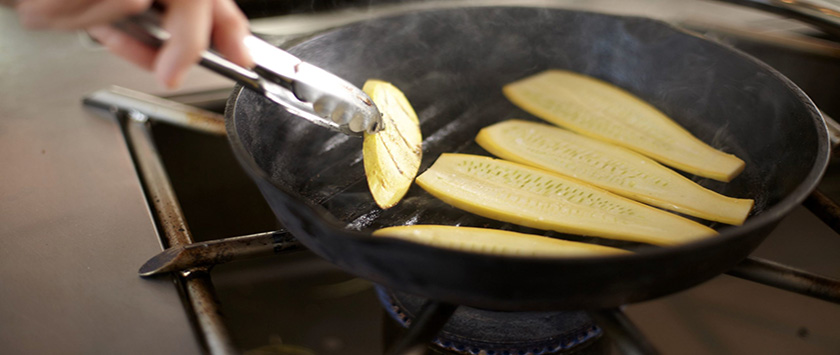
<point>301,88</point>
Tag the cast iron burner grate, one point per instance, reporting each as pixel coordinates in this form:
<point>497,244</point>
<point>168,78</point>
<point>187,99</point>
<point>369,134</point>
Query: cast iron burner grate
<point>192,261</point>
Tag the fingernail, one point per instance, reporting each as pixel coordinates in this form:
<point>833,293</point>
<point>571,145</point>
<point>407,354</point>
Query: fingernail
<point>173,81</point>
<point>166,70</point>
<point>168,77</point>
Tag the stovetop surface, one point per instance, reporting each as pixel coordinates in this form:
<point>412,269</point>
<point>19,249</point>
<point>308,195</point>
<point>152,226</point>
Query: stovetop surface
<point>299,301</point>
<point>74,229</point>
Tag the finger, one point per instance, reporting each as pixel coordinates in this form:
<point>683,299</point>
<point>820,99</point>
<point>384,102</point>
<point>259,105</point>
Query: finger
<point>189,24</point>
<point>230,26</point>
<point>102,12</point>
<point>124,46</point>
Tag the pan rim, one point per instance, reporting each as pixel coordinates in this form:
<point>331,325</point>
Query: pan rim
<point>766,219</point>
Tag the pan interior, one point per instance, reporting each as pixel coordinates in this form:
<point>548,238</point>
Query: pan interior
<point>452,65</point>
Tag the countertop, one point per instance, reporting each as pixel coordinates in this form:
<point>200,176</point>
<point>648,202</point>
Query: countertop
<point>74,225</point>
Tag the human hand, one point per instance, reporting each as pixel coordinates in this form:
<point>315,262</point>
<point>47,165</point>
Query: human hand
<point>191,23</point>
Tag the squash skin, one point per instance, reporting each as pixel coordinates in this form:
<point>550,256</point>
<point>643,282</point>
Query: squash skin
<point>600,110</point>
<point>613,168</point>
<point>391,156</point>
<point>536,198</point>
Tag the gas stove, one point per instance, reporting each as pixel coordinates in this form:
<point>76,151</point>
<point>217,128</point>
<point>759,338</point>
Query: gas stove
<point>228,205</point>
<point>291,302</point>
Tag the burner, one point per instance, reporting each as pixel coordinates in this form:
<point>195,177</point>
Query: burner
<point>476,331</point>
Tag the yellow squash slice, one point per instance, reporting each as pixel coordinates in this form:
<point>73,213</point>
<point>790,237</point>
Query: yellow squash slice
<point>531,197</point>
<point>392,155</point>
<point>600,110</point>
<point>610,167</point>
<point>494,241</point>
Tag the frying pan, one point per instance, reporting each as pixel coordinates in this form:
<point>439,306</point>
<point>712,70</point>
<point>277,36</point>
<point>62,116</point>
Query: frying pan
<point>451,64</point>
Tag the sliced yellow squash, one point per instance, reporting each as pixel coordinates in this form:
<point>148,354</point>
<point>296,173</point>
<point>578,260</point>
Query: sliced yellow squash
<point>391,156</point>
<point>601,110</point>
<point>494,241</point>
<point>610,167</point>
<point>537,198</point>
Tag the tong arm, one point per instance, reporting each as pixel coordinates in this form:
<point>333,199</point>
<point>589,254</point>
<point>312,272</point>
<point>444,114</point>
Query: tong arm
<point>301,88</point>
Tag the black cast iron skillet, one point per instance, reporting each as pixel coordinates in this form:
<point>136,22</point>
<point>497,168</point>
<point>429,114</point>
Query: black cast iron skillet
<point>451,64</point>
